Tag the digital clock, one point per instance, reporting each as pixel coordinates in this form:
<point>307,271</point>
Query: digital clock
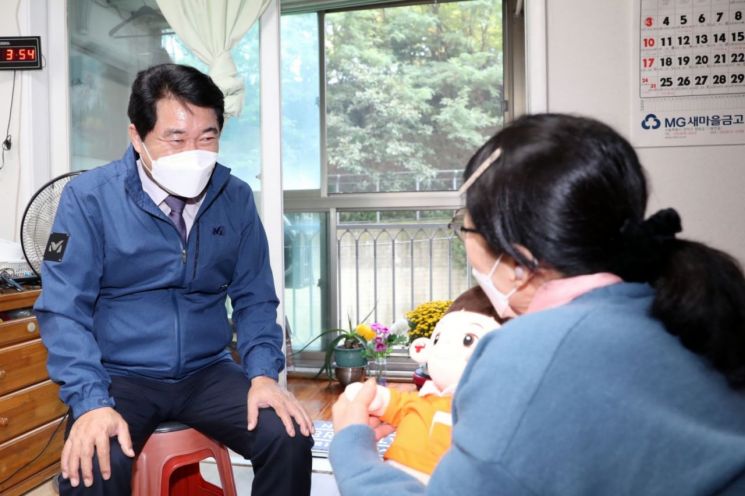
<point>20,52</point>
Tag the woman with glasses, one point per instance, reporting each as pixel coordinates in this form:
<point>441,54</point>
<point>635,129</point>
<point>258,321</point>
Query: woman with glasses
<point>622,370</point>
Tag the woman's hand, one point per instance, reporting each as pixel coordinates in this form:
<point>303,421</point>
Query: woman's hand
<point>346,412</point>
<point>381,429</point>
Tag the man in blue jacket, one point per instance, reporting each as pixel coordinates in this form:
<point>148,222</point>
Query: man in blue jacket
<point>142,255</point>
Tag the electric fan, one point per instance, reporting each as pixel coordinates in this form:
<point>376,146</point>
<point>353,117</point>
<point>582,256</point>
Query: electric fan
<point>38,219</point>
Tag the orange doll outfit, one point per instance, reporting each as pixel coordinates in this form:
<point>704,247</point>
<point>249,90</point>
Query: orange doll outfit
<point>423,424</point>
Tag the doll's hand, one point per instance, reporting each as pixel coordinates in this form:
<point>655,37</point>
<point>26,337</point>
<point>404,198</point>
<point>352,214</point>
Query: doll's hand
<point>379,403</point>
<point>352,390</point>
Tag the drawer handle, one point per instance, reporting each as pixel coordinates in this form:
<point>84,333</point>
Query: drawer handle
<point>3,421</point>
<point>2,373</point>
<point>31,327</point>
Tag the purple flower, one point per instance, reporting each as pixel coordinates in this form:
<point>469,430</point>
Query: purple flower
<point>380,329</point>
<point>379,344</point>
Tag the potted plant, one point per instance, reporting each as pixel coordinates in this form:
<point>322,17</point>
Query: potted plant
<point>346,350</point>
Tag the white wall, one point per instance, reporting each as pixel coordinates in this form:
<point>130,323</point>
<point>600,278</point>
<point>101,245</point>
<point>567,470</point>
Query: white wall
<point>38,126</point>
<point>589,46</point>
<point>9,176</point>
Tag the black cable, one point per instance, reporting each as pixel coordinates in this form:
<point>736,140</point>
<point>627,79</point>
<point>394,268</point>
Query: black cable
<point>54,433</point>
<point>7,142</point>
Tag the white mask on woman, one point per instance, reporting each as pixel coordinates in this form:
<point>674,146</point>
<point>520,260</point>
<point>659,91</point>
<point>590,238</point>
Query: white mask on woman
<point>183,174</point>
<point>499,300</point>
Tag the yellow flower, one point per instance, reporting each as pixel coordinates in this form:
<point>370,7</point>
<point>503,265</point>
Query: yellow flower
<point>365,331</point>
<point>425,317</point>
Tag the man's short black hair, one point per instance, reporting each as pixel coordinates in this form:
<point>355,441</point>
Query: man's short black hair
<point>181,82</point>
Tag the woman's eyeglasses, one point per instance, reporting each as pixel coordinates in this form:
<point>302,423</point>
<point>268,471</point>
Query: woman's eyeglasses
<point>457,227</point>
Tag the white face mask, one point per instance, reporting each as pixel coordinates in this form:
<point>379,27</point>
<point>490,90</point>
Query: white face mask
<point>183,174</point>
<point>500,301</point>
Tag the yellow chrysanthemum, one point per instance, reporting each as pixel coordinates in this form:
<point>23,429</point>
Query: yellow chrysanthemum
<point>365,331</point>
<point>425,317</point>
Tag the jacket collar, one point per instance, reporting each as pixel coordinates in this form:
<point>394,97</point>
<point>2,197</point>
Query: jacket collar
<point>133,185</point>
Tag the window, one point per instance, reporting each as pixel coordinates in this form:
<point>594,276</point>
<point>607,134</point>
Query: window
<point>392,260</point>
<point>382,107</point>
<point>109,43</point>
<point>301,145</point>
<point>411,92</point>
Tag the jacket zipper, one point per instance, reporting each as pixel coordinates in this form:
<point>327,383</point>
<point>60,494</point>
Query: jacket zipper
<point>179,358</point>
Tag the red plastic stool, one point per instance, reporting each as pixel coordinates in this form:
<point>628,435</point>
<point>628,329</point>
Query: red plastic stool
<point>169,464</point>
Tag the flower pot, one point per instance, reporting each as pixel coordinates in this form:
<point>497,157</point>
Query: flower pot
<point>349,357</point>
<point>348,375</point>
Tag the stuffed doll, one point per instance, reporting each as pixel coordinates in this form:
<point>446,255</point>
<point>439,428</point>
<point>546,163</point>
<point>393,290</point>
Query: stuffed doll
<point>422,419</point>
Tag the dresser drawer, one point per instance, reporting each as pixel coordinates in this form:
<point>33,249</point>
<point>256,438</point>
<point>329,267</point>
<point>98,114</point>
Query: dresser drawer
<point>29,408</point>
<point>22,365</point>
<point>18,331</point>
<point>18,452</point>
<point>14,300</point>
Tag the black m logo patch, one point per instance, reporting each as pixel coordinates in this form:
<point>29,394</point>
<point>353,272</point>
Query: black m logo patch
<point>56,247</point>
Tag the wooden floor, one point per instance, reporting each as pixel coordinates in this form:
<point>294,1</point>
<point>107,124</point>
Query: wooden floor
<point>317,396</point>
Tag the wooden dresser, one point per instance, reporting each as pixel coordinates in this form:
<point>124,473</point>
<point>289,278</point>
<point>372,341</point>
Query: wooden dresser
<point>30,409</point>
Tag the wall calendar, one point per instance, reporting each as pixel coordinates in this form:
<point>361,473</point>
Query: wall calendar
<point>690,67</point>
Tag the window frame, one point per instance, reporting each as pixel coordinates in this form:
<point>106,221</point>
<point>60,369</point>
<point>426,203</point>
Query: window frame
<point>400,365</point>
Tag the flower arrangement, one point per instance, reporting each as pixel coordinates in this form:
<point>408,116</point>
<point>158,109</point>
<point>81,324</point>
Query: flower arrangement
<point>374,342</point>
<point>424,318</point>
<point>380,340</point>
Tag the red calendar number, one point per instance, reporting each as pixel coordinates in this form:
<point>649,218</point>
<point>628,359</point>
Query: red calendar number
<point>648,42</point>
<point>648,22</point>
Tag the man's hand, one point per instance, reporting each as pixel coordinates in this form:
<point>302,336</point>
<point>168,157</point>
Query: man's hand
<point>266,393</point>
<point>90,434</point>
<point>346,412</point>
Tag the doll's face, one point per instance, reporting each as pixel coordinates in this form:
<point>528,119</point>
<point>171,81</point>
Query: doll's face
<point>451,345</point>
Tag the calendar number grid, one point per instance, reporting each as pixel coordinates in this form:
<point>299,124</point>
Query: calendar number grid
<point>692,48</point>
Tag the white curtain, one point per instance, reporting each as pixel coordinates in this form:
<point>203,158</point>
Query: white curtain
<point>210,28</point>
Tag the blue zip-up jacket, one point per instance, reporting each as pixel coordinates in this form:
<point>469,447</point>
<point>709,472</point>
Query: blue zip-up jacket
<point>127,298</point>
<point>592,398</point>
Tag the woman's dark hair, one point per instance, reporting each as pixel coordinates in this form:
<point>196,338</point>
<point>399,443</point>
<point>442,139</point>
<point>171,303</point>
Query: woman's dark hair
<point>176,81</point>
<point>572,191</point>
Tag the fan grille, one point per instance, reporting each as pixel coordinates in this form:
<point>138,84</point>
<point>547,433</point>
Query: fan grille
<point>39,218</point>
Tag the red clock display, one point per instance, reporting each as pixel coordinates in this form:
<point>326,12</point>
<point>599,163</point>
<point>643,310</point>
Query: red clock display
<point>19,54</point>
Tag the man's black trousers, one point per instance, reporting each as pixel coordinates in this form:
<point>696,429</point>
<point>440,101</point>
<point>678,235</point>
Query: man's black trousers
<point>213,401</point>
